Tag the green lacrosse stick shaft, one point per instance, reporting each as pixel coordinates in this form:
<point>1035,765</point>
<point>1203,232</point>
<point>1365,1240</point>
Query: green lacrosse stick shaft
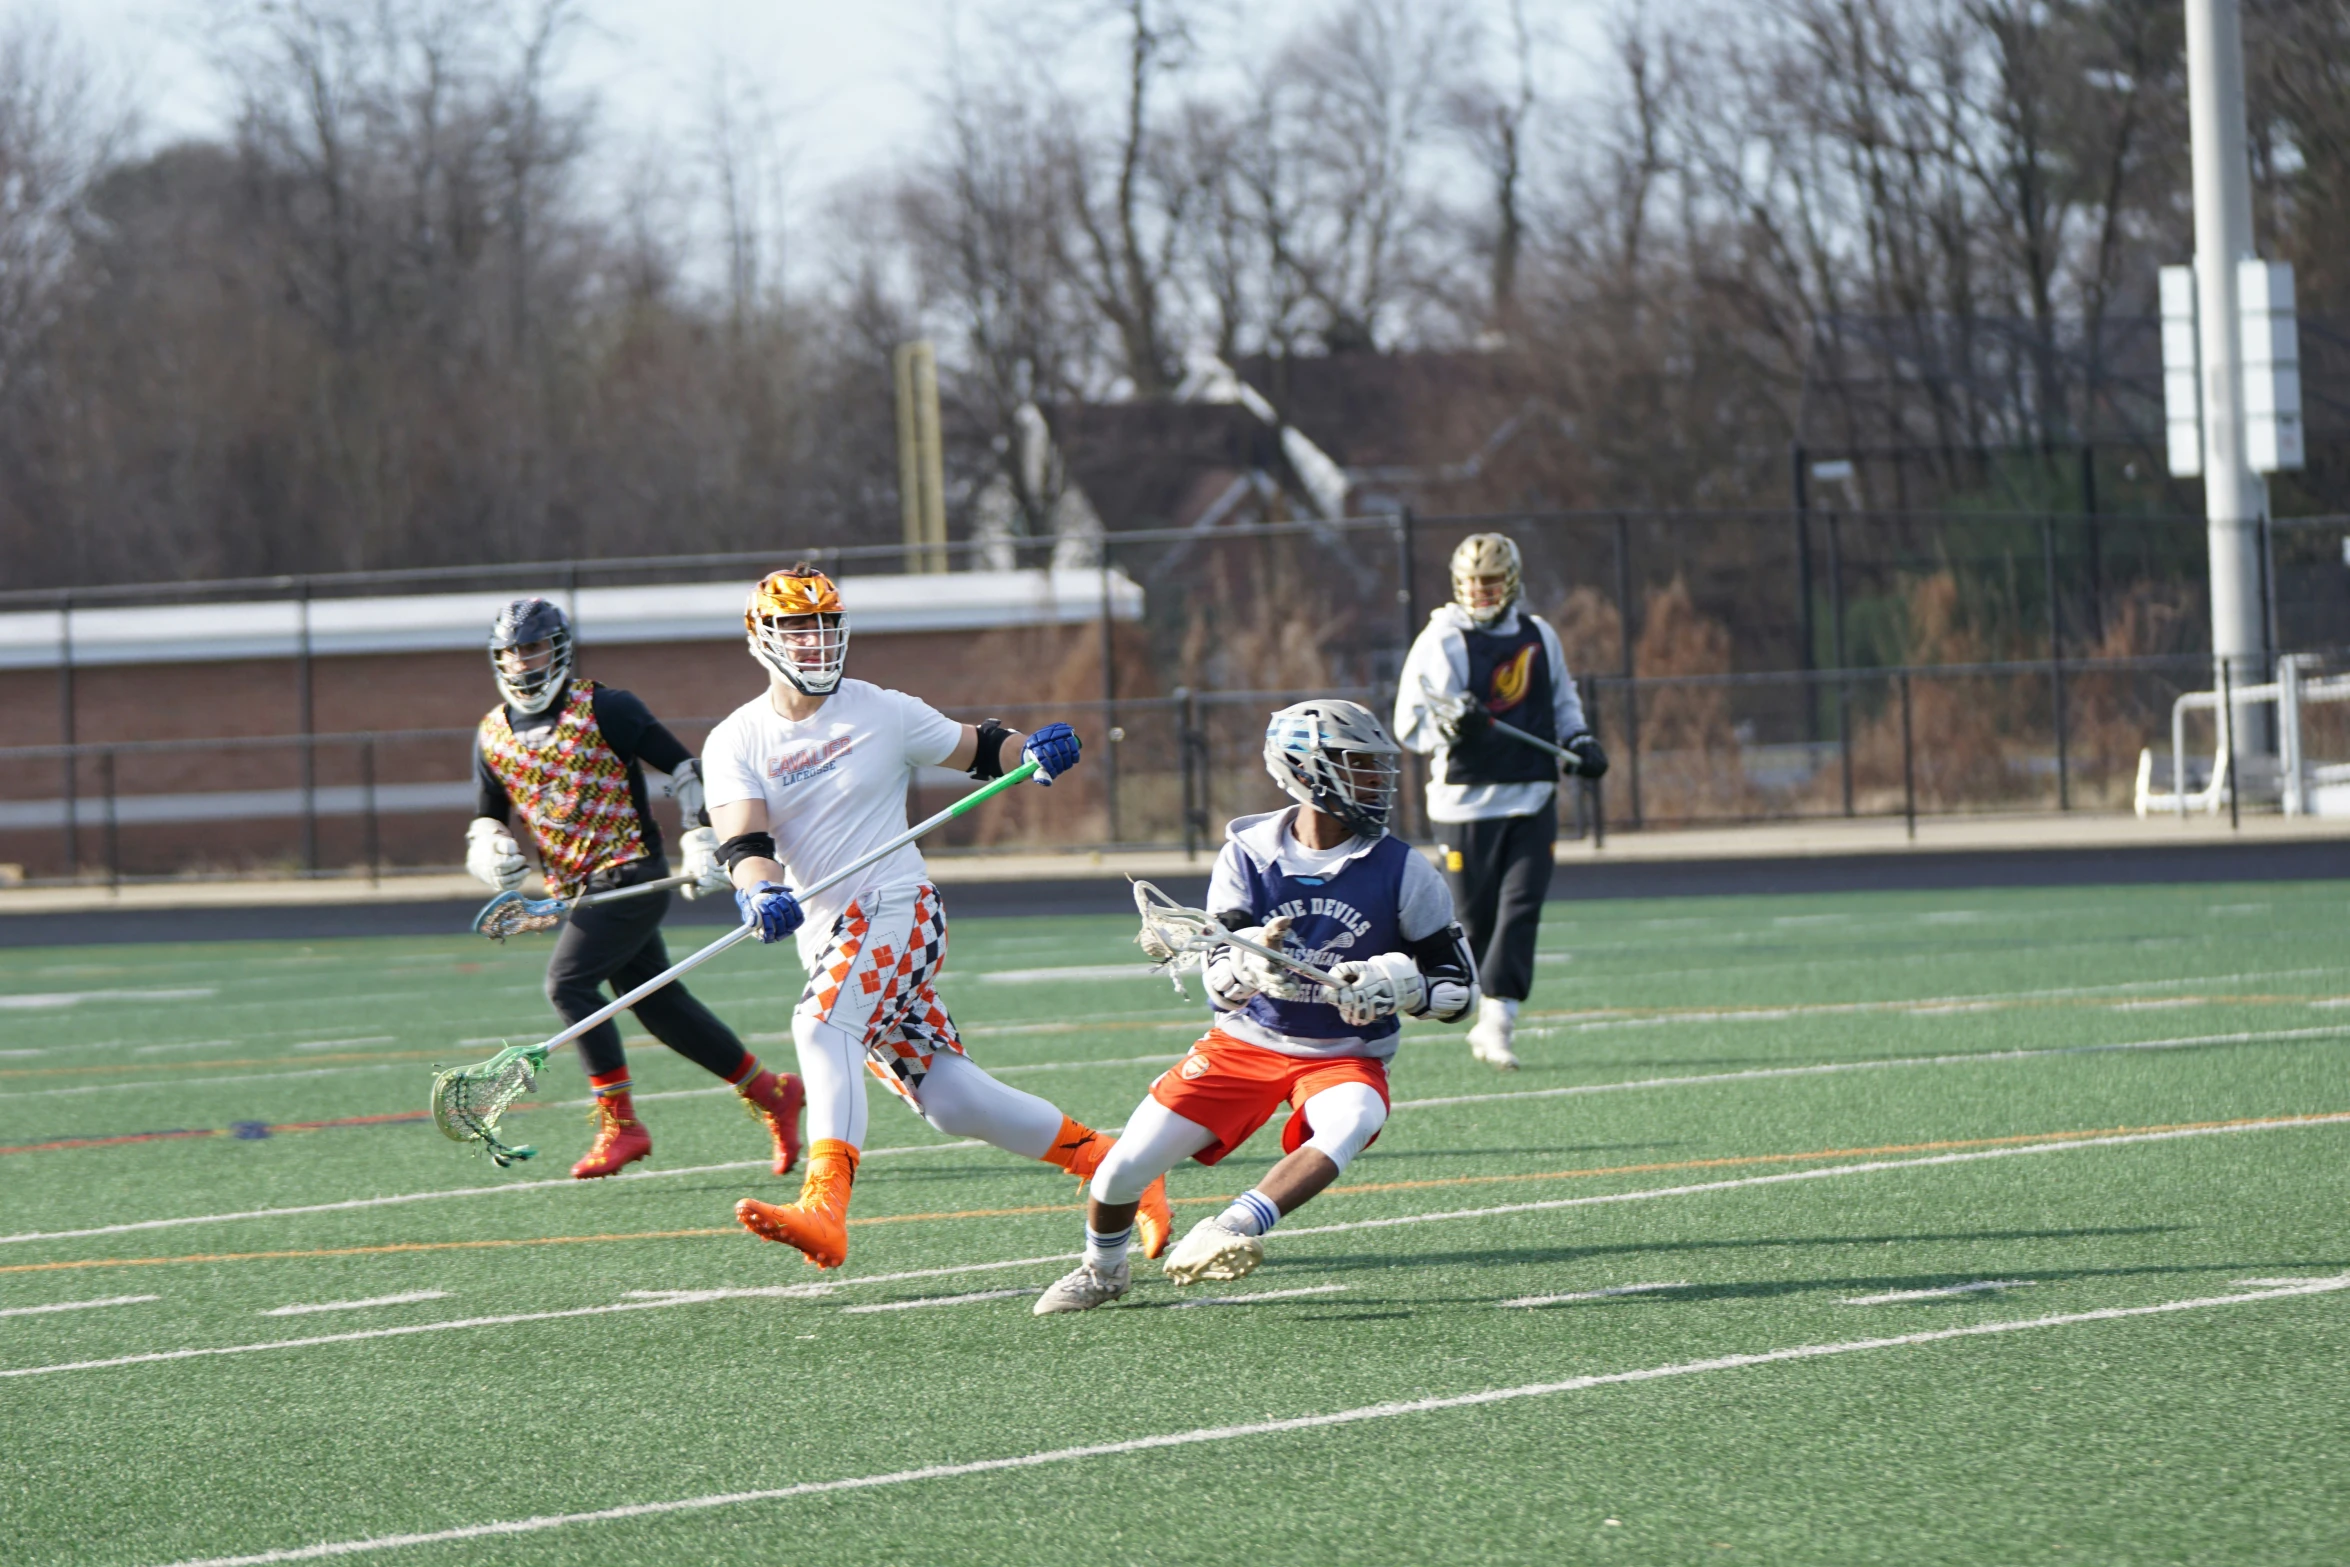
<point>603,1014</point>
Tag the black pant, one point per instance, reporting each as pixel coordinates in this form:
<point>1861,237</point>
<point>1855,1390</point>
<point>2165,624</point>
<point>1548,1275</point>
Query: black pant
<point>1499,871</point>
<point>621,943</point>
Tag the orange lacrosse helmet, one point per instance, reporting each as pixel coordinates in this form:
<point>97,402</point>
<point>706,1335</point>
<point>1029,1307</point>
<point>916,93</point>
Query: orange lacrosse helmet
<point>797,627</point>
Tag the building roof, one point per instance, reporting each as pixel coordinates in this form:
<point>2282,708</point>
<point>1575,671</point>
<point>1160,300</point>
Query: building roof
<point>439,622</point>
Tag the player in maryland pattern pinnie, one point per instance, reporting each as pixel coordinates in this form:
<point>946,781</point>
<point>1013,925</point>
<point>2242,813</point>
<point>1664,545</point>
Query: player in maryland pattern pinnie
<point>569,757</point>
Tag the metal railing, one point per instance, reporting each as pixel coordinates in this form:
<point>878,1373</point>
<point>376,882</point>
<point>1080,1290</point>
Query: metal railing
<point>1166,771</point>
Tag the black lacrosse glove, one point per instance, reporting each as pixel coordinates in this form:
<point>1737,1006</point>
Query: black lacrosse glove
<point>1590,760</point>
<point>1472,723</point>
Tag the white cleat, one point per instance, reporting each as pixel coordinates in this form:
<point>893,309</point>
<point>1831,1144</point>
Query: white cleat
<point>1084,1288</point>
<point>1211,1251</point>
<point>1489,1036</point>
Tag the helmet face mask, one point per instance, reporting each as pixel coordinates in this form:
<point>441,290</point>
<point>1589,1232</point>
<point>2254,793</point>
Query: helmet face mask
<point>530,654</point>
<point>798,629</point>
<point>1487,574</point>
<point>1335,757</point>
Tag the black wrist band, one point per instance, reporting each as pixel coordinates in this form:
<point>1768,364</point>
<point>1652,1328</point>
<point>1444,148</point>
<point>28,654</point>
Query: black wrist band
<point>988,761</point>
<point>746,846</point>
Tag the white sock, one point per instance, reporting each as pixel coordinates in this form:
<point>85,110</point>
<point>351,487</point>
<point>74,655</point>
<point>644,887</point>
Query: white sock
<point>1251,1213</point>
<point>1106,1253</point>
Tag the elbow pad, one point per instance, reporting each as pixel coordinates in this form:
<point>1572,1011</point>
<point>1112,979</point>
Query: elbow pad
<point>1450,972</point>
<point>988,760</point>
<point>746,846</point>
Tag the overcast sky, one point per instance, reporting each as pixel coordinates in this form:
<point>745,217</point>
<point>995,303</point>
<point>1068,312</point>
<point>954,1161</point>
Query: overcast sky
<point>850,82</point>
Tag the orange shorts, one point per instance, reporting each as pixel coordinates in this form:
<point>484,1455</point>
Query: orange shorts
<point>1232,1088</point>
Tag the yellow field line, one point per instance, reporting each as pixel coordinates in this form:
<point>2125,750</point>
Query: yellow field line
<point>1942,1146</point>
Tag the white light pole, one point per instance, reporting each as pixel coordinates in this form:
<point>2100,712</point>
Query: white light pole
<point>2234,497</point>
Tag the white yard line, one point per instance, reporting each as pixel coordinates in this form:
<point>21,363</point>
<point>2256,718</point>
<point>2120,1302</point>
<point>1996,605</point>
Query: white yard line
<point>1828,1068</point>
<point>50,1000</point>
<point>202,1082</point>
<point>78,1305</point>
<point>1824,1172</point>
<point>998,1071</point>
<point>1892,1297</point>
<point>1212,1434</point>
<point>337,1044</point>
<point>1600,1294</point>
<point>409,1299</point>
<point>939,1300</point>
<point>560,1183</point>
<point>1250,1300</point>
<point>1040,976</point>
<point>1964,1058</point>
<point>646,1300</point>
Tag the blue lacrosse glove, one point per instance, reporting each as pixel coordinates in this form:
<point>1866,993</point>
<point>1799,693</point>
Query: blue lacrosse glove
<point>772,908</point>
<point>1054,751</point>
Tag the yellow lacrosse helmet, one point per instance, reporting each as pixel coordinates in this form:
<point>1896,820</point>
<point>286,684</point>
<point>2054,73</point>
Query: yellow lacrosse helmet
<point>797,627</point>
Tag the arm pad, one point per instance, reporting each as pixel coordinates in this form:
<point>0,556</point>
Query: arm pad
<point>746,846</point>
<point>988,761</point>
<point>1451,972</point>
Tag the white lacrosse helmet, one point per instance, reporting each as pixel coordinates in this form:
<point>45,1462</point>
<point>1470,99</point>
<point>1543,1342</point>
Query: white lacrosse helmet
<point>1335,757</point>
<point>1486,574</point>
<point>797,626</point>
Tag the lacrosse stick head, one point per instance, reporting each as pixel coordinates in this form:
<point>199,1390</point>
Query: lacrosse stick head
<point>468,1100</point>
<point>512,914</point>
<point>1173,937</point>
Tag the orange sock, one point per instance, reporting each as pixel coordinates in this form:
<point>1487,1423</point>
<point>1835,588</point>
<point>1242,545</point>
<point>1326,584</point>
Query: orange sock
<point>1078,1148</point>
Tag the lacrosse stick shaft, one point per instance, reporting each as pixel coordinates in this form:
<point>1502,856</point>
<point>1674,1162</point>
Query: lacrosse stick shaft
<point>612,1009</point>
<point>614,895</point>
<point>1294,965</point>
<point>1456,703</point>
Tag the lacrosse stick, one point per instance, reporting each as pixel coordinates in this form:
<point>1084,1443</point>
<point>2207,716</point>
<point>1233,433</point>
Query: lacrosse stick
<point>512,914</point>
<point>1175,939</point>
<point>1448,710</point>
<point>467,1100</point>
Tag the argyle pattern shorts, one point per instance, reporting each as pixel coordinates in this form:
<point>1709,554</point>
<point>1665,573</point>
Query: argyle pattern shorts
<point>874,981</point>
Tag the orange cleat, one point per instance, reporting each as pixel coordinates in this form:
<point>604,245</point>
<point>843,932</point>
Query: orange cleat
<point>778,1101</point>
<point>818,1223</point>
<point>1078,1148</point>
<point>1154,1221</point>
<point>621,1139</point>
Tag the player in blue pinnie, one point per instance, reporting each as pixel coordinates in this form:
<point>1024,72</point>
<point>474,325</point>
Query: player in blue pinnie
<point>1325,882</point>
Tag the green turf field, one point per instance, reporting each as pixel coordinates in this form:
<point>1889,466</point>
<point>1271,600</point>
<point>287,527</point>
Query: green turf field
<point>1830,1114</point>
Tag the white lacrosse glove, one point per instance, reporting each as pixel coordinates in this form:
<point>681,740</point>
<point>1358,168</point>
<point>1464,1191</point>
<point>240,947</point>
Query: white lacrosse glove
<point>1235,975</point>
<point>685,787</point>
<point>1376,987</point>
<point>697,853</point>
<point>492,856</point>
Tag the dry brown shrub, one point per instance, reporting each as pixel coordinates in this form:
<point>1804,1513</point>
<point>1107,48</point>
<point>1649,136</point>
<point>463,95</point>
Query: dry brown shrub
<point>1962,725</point>
<point>1591,632</point>
<point>1689,754</point>
<point>2111,717</point>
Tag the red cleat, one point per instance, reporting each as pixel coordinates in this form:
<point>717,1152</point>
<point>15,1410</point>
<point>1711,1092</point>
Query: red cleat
<point>778,1102</point>
<point>621,1139</point>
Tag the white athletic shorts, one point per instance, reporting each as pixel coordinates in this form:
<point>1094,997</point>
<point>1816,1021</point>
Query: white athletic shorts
<point>874,982</point>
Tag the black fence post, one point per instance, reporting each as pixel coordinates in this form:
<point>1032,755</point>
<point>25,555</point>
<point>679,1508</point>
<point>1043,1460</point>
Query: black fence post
<point>2095,541</point>
<point>1406,580</point>
<point>1809,629</point>
<point>368,812</point>
<point>309,742</point>
<point>1836,647</point>
<point>2064,787</point>
<point>113,838</point>
<point>1909,774</point>
<point>1194,817</point>
<point>1111,733</point>
<point>2227,731</point>
<point>1624,638</point>
<point>66,728</point>
<point>1592,787</point>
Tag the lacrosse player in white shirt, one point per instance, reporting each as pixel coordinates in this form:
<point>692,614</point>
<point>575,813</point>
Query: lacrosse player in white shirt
<point>806,779</point>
